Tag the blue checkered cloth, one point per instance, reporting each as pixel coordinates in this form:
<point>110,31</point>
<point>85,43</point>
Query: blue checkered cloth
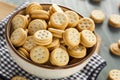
<point>9,68</point>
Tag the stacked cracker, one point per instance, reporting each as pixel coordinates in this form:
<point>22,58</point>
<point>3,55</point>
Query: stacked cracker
<point>52,35</point>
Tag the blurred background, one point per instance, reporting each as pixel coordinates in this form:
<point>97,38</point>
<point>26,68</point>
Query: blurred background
<point>108,34</point>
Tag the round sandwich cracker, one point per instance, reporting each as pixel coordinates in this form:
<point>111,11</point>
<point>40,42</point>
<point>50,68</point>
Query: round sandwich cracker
<point>35,25</point>
<point>24,52</point>
<point>71,37</point>
<point>43,37</point>
<point>56,32</point>
<point>86,24</point>
<point>29,43</point>
<point>54,43</point>
<point>40,14</point>
<point>88,38</point>
<point>59,57</point>
<point>98,16</point>
<point>114,48</point>
<point>59,20</point>
<point>18,37</point>
<point>78,51</point>
<point>33,6</point>
<point>73,18</point>
<point>55,8</point>
<point>114,20</point>
<point>114,74</point>
<point>19,21</point>
<point>39,54</point>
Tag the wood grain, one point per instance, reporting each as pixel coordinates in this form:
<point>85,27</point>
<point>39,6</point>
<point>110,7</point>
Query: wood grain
<point>5,9</point>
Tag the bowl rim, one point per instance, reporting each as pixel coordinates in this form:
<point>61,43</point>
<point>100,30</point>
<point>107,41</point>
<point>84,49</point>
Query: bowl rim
<point>38,65</point>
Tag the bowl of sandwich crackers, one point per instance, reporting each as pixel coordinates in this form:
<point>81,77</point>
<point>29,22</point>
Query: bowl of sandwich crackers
<point>49,40</point>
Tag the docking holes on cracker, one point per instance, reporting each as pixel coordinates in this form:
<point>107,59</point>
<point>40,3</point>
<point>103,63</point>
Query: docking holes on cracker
<point>52,35</point>
<point>114,74</point>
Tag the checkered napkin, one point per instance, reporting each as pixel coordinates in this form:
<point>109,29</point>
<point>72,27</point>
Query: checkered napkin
<point>9,68</point>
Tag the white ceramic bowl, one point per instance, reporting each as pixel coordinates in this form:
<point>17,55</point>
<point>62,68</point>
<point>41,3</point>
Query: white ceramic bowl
<point>45,71</point>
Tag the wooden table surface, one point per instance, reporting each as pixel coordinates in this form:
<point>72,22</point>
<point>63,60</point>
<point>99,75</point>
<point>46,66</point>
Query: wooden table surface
<point>107,33</point>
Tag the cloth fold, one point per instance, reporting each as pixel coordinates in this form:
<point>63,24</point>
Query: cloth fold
<point>9,68</point>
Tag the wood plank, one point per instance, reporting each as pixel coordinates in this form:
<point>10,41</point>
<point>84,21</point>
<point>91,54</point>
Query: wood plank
<point>5,9</point>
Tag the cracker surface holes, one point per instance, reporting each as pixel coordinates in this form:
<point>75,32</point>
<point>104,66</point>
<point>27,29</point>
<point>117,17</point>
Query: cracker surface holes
<point>36,25</point>
<point>39,54</point>
<point>19,21</point>
<point>71,37</point>
<point>86,24</point>
<point>88,39</point>
<point>114,74</point>
<point>43,34</point>
<point>18,37</point>
<point>59,57</point>
<point>73,18</point>
<point>59,20</point>
<point>78,51</point>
